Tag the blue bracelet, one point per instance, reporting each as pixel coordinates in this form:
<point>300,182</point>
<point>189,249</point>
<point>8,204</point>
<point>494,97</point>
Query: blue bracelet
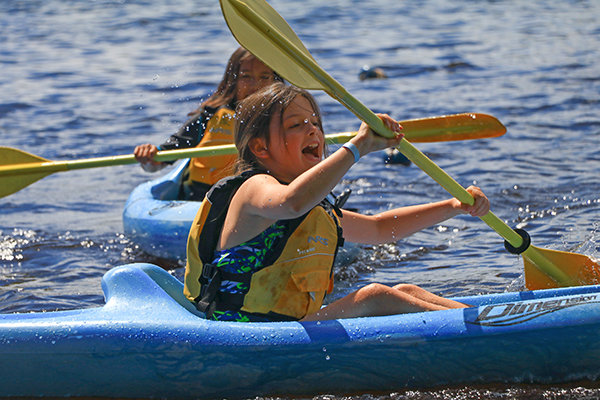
<point>353,149</point>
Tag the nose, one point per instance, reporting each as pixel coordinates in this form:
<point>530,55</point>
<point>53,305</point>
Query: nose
<point>312,127</point>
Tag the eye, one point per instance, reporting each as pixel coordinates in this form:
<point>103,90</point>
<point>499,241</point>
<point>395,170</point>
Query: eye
<point>293,124</point>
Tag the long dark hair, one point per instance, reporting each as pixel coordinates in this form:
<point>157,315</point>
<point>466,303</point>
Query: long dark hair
<point>254,114</point>
<point>226,91</point>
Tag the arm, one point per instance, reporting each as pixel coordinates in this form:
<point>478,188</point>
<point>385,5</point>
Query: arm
<point>267,198</point>
<point>393,225</point>
<point>262,199</point>
<point>189,135</point>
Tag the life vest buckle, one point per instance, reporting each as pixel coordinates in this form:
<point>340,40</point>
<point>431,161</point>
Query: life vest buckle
<point>209,271</point>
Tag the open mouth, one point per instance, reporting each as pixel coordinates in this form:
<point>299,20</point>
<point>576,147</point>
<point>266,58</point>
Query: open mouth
<point>313,150</point>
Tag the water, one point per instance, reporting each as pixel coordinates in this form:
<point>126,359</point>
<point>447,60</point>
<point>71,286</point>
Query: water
<point>81,79</point>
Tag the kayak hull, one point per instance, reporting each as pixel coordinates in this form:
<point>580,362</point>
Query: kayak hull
<point>148,341</point>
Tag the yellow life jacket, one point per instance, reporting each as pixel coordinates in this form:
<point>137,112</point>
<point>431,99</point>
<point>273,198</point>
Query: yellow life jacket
<point>218,132</point>
<point>293,281</point>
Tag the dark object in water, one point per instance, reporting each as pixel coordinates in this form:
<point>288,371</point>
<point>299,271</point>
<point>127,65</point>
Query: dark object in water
<point>371,73</point>
<point>393,156</point>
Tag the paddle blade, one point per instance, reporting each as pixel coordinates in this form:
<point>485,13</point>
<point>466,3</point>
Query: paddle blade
<point>263,32</point>
<point>578,268</point>
<point>10,184</point>
<point>466,126</point>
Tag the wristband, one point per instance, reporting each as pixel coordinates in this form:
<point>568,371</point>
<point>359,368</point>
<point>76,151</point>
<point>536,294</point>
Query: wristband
<point>353,149</point>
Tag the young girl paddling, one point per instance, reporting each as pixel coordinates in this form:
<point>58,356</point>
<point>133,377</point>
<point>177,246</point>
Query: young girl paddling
<point>212,124</point>
<point>263,243</point>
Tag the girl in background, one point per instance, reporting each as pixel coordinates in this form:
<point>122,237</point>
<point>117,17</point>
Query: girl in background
<point>212,125</point>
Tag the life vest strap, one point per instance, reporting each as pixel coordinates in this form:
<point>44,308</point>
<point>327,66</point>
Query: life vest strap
<point>211,280</point>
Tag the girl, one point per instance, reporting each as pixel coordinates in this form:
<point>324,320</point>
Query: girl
<point>263,243</point>
<point>212,124</point>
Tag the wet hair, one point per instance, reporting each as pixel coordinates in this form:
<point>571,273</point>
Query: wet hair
<point>226,91</point>
<point>254,114</point>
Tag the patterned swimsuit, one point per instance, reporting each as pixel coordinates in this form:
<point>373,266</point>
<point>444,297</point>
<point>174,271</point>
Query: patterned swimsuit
<point>244,258</point>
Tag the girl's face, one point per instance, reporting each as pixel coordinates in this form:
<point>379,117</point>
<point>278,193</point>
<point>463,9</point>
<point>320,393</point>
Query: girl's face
<point>296,142</point>
<point>253,75</point>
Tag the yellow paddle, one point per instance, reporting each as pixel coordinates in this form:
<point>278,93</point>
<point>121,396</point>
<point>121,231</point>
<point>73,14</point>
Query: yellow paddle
<point>263,32</point>
<point>19,169</point>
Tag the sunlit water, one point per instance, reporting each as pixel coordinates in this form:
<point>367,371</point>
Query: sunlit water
<point>81,79</point>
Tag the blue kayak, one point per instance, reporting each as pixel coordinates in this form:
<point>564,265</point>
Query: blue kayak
<point>148,341</point>
<point>159,224</point>
<point>155,220</point>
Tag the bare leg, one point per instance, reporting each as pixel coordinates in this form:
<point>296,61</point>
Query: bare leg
<point>420,293</point>
<point>376,299</point>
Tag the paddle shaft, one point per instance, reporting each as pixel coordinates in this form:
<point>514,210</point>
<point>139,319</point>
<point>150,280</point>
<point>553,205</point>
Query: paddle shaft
<point>434,129</point>
<point>49,167</point>
<point>338,92</point>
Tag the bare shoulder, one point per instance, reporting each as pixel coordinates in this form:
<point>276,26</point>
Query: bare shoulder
<point>244,218</point>
<point>261,179</point>
<point>256,187</point>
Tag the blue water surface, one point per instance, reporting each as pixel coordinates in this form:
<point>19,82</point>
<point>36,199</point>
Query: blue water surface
<point>81,79</point>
